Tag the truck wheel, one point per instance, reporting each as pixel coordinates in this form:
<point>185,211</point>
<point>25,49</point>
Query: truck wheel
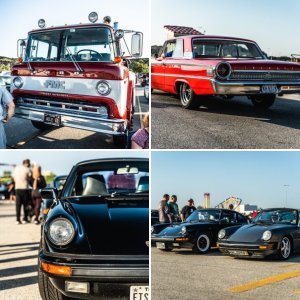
<point>121,141</point>
<point>47,290</point>
<point>188,98</point>
<point>41,126</point>
<point>263,101</point>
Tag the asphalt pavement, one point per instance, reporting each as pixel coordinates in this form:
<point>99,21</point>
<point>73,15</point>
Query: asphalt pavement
<point>21,134</point>
<point>225,124</point>
<point>18,256</point>
<point>184,275</point>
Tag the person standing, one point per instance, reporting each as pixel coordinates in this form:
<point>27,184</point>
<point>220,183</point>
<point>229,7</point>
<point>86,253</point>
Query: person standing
<point>187,210</point>
<point>7,109</point>
<point>21,177</point>
<point>140,140</point>
<point>38,182</point>
<point>164,211</point>
<point>173,207</point>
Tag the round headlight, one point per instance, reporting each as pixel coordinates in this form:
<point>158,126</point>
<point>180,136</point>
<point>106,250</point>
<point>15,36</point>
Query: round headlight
<point>183,230</point>
<point>61,232</point>
<point>103,88</point>
<point>221,234</point>
<point>42,23</point>
<point>18,82</point>
<point>267,235</point>
<point>93,17</point>
<point>223,70</point>
<point>152,229</point>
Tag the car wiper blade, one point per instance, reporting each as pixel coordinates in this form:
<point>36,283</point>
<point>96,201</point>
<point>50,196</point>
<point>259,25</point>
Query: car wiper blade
<point>263,222</point>
<point>116,194</point>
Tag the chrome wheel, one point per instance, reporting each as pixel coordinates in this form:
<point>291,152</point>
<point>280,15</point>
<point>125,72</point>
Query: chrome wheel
<point>186,94</point>
<point>285,247</point>
<point>203,243</point>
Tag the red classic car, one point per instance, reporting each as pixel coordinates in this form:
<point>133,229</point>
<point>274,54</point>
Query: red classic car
<point>199,65</point>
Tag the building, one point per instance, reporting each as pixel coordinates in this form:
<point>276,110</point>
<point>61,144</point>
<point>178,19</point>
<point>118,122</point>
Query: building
<point>175,31</point>
<point>206,203</point>
<point>246,208</point>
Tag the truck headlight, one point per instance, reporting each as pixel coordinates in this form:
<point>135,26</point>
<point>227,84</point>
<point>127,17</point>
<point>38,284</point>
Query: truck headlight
<point>61,232</point>
<point>221,234</point>
<point>267,235</point>
<point>103,88</point>
<point>183,230</point>
<point>18,82</point>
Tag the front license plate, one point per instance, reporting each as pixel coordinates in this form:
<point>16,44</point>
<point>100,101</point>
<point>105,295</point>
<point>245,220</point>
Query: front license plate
<point>269,89</point>
<point>160,245</point>
<point>52,119</point>
<point>139,292</point>
<point>238,252</point>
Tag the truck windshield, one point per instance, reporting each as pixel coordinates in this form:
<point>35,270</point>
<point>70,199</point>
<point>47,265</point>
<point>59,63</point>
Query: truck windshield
<point>225,49</point>
<point>85,44</point>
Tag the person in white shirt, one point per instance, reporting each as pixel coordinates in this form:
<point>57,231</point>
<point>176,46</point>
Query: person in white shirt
<point>7,109</point>
<point>22,175</point>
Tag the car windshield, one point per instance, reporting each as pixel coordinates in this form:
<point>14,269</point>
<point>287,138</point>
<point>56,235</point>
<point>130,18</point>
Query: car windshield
<point>276,216</point>
<point>80,44</point>
<point>109,179</point>
<point>204,215</point>
<point>225,49</point>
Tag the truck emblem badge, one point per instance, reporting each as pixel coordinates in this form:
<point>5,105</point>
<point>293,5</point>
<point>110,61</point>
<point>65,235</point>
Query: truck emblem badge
<point>54,84</point>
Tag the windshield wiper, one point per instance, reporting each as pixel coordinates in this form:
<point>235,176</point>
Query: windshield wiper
<point>78,68</point>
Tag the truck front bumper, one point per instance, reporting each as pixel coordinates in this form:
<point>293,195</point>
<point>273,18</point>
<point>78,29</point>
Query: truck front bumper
<point>81,119</point>
<point>245,88</point>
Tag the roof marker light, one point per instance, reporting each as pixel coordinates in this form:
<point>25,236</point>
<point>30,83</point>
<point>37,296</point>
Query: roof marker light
<point>93,17</point>
<point>42,23</point>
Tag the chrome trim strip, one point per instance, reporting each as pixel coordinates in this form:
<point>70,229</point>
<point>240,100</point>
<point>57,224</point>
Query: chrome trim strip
<point>265,71</point>
<point>181,76</point>
<point>182,64</point>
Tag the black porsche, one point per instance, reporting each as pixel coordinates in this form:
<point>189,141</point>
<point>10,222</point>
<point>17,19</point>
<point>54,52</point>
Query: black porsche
<point>199,231</point>
<point>273,231</point>
<point>95,239</point>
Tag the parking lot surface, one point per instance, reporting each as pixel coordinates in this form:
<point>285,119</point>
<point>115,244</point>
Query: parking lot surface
<point>225,124</point>
<point>22,135</point>
<point>18,257</point>
<point>181,274</point>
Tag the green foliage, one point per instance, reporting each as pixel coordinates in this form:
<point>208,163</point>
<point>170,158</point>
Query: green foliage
<point>6,63</point>
<point>140,66</point>
<point>49,177</point>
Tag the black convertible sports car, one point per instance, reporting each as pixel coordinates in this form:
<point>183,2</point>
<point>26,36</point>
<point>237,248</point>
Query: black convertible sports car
<point>199,231</point>
<point>95,239</point>
<point>273,231</point>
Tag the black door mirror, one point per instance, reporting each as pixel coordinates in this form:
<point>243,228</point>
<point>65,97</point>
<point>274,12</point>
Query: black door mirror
<point>49,194</point>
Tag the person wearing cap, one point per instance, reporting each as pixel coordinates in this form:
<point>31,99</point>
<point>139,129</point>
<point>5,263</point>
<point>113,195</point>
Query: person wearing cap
<point>187,210</point>
<point>7,109</point>
<point>107,20</point>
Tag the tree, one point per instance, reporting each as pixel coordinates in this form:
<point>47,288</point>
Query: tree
<point>140,66</point>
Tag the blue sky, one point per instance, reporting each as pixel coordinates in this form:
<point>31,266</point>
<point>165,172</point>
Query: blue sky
<point>274,25</point>
<point>257,177</point>
<point>18,17</point>
<point>61,162</point>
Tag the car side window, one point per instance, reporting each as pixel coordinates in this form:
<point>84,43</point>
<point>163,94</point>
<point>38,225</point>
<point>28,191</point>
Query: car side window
<point>178,51</point>
<point>169,48</point>
<point>229,217</point>
<point>240,219</point>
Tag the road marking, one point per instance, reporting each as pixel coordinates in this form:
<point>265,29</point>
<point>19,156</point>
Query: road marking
<point>140,110</point>
<point>290,265</point>
<point>265,281</point>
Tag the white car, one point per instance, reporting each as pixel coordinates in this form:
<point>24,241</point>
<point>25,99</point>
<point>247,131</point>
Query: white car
<point>146,92</point>
<point>5,78</point>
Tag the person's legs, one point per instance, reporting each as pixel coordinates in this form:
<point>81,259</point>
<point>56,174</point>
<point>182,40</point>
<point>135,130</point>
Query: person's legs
<point>2,136</point>
<point>26,204</point>
<point>37,206</point>
<point>18,205</point>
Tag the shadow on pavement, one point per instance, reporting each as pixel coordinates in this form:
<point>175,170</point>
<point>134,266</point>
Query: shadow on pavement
<point>18,250</point>
<point>17,258</point>
<point>17,271</point>
<point>14,283</point>
<point>17,245</point>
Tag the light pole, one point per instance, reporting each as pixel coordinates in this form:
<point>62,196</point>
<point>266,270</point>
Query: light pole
<point>286,192</point>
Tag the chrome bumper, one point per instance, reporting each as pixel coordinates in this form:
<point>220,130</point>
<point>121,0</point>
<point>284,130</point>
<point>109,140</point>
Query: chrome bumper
<point>252,88</point>
<point>80,120</point>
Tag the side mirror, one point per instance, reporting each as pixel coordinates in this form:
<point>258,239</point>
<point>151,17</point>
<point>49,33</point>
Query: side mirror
<point>21,45</point>
<point>49,194</point>
<point>137,44</point>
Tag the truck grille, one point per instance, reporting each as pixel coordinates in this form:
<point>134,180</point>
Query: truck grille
<point>62,105</point>
<point>265,76</point>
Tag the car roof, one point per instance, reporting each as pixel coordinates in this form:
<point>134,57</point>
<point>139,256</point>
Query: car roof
<point>216,37</point>
<point>93,161</point>
<point>280,208</point>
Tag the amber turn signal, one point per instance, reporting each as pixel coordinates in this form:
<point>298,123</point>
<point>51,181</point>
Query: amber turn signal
<point>118,59</point>
<point>45,211</point>
<point>57,270</point>
<point>266,247</point>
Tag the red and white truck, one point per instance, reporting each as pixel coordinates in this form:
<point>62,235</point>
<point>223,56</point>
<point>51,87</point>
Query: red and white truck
<point>77,76</point>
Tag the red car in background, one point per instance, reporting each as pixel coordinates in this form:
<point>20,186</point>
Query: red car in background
<point>200,65</point>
